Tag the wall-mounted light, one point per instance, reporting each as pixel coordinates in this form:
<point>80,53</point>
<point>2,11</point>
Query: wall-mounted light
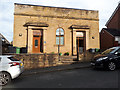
<point>93,37</point>
<point>20,34</point>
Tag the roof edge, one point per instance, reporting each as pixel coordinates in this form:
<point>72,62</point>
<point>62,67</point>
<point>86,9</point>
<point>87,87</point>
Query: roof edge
<point>55,7</point>
<point>107,32</point>
<point>113,14</point>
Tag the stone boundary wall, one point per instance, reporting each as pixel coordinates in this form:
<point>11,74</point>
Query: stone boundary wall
<point>87,56</point>
<point>32,61</point>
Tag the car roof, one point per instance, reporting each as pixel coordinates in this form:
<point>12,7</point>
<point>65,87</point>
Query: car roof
<point>6,55</point>
<point>116,47</point>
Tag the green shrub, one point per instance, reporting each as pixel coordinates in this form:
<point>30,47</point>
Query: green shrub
<point>52,52</point>
<point>66,54</point>
<point>60,54</point>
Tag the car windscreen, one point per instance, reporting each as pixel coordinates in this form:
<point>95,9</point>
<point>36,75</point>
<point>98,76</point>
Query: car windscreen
<point>108,51</point>
<point>13,58</point>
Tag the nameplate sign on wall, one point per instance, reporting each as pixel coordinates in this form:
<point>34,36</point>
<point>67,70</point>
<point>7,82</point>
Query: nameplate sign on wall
<point>37,33</point>
<point>79,34</point>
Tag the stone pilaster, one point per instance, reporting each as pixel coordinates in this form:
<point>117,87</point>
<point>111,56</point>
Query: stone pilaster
<point>74,42</point>
<point>30,40</point>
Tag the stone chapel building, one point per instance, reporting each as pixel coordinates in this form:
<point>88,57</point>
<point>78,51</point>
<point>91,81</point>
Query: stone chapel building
<point>40,29</point>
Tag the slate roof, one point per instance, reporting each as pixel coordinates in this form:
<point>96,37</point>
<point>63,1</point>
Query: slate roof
<point>114,32</point>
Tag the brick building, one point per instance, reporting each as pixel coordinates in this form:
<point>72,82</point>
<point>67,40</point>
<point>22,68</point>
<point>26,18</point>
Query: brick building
<point>110,36</point>
<point>41,29</point>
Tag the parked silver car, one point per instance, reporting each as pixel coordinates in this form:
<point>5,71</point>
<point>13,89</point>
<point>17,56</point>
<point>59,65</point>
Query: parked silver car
<point>10,68</point>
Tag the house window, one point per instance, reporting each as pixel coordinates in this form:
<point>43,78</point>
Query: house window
<point>59,36</point>
<point>117,38</point>
<point>36,42</point>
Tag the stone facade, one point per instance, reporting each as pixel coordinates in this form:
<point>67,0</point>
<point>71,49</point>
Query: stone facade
<point>30,18</point>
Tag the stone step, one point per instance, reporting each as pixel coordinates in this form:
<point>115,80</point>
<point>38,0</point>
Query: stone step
<point>67,58</point>
<point>68,61</point>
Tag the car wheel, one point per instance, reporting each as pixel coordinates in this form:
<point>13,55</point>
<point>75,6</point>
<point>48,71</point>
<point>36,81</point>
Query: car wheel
<point>111,66</point>
<point>4,78</point>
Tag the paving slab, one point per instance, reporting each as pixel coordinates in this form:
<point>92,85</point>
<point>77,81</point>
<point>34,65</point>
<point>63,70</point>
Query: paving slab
<point>78,65</point>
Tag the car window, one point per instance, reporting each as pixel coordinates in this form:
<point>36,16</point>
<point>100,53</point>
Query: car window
<point>13,59</point>
<point>118,51</point>
<point>108,51</point>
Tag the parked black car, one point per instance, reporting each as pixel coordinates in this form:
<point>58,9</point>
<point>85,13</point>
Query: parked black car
<point>109,59</point>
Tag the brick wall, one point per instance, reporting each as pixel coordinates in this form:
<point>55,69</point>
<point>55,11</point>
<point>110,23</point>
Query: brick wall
<point>106,40</point>
<point>114,21</point>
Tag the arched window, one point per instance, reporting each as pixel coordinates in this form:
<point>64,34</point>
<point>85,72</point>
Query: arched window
<point>59,36</point>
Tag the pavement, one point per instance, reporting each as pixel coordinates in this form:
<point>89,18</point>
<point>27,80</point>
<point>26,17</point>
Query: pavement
<point>78,65</point>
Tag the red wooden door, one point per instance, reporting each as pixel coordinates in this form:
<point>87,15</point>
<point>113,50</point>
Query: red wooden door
<point>36,44</point>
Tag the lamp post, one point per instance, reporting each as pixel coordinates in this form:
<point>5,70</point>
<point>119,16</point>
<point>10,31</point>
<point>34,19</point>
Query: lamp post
<point>59,46</point>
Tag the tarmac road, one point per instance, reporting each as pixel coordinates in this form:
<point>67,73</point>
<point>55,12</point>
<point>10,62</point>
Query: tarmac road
<point>76,78</point>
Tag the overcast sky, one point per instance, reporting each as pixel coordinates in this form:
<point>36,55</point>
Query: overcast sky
<point>105,8</point>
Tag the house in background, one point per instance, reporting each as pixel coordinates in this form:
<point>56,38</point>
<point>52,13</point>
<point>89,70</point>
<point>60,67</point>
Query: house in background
<point>40,29</point>
<point>110,36</point>
<point>4,44</point>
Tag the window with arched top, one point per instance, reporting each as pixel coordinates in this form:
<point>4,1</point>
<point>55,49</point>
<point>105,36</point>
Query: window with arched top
<point>59,36</point>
